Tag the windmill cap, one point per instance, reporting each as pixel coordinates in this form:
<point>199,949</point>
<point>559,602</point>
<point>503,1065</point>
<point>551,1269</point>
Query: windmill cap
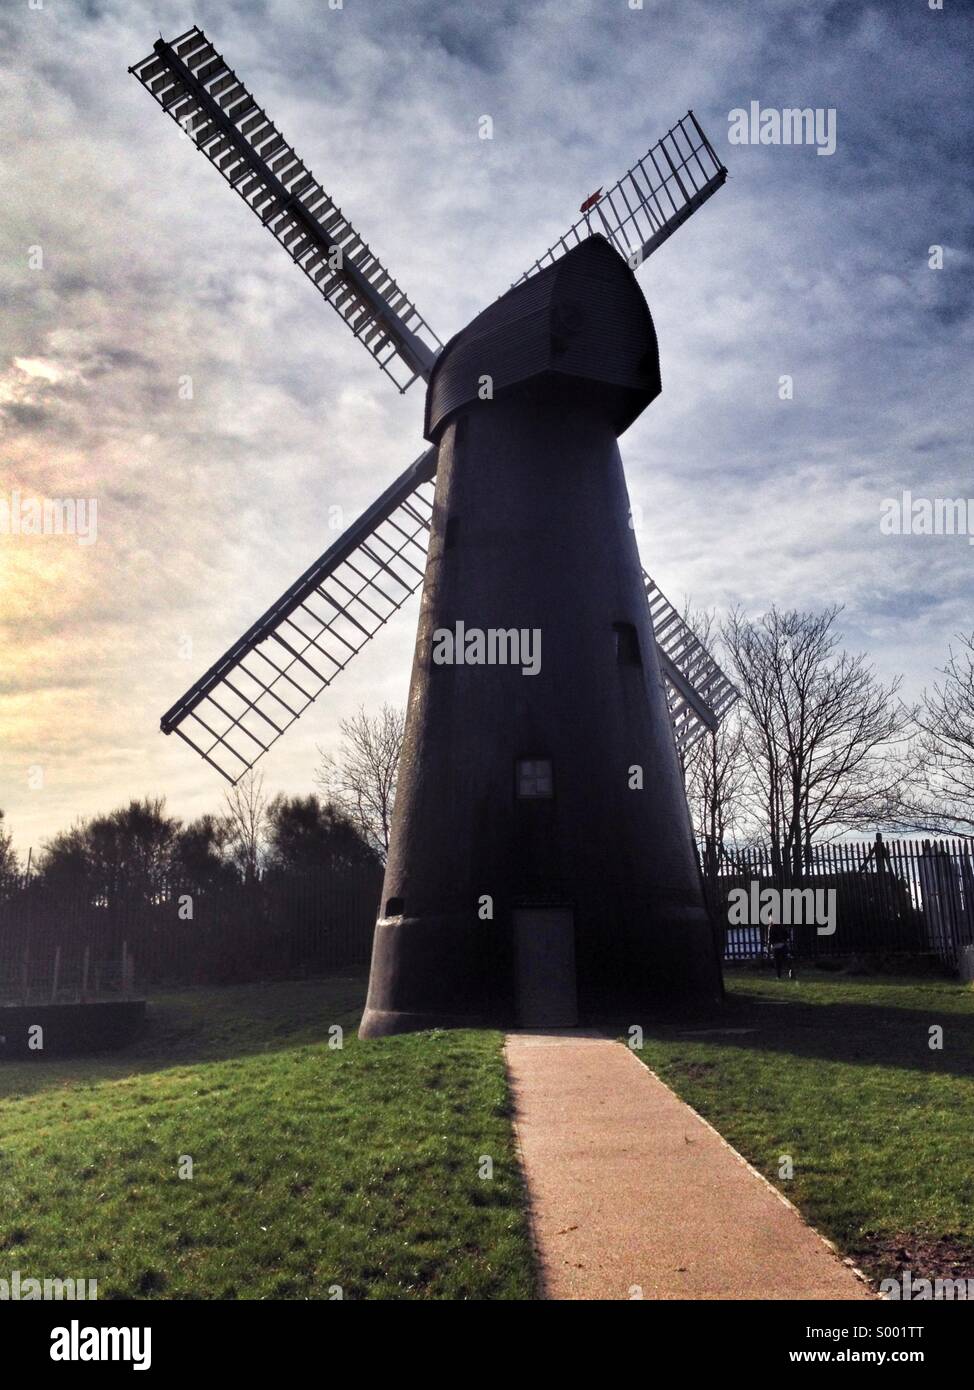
<point>582,317</point>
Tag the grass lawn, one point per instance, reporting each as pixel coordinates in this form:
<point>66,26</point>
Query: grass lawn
<point>837,1072</point>
<point>312,1167</point>
<point>360,1167</point>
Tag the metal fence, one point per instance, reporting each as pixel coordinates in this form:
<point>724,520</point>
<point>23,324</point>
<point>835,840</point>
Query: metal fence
<point>889,897</point>
<point>35,970</point>
<point>62,945</point>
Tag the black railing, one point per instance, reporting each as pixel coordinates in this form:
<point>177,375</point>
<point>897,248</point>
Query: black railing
<point>63,944</point>
<point>888,896</point>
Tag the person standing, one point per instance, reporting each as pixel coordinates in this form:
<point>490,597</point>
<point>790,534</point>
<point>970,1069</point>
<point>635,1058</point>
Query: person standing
<point>779,946</point>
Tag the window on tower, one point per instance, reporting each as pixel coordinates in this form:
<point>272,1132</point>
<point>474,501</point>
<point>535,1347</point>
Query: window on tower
<point>534,778</point>
<point>627,644</point>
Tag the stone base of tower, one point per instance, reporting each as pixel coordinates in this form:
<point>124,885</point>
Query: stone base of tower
<point>428,973</point>
<point>448,971</point>
<point>383,1023</point>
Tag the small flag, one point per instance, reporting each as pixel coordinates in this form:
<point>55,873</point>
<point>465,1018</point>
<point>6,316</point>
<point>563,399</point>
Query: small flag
<point>591,200</point>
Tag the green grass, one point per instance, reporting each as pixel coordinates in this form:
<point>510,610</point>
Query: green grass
<point>312,1167</point>
<point>359,1167</point>
<point>838,1073</point>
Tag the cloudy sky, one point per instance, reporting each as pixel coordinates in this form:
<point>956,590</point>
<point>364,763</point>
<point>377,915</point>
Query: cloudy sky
<point>150,271</point>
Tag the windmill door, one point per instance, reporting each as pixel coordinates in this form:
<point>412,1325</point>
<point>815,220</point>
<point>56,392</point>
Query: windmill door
<point>544,954</point>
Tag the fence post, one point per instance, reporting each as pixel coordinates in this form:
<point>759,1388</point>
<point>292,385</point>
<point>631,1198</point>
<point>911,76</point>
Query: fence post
<point>128,970</point>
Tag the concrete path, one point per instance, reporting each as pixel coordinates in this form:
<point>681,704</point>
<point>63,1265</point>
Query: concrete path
<point>632,1190</point>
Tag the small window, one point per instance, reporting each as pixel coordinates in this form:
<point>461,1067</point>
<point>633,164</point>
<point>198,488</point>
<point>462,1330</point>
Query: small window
<point>394,907</point>
<point>450,535</point>
<point>627,645</point>
<point>534,778</point>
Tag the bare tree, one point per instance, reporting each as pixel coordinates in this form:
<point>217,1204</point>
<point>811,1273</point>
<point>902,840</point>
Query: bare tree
<point>361,779</point>
<point>716,774</point>
<point>942,770</point>
<point>9,867</point>
<point>246,819</point>
<point>715,769</point>
<point>823,736</point>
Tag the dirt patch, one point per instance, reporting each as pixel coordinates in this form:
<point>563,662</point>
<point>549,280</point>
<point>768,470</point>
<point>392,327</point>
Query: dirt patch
<point>926,1257</point>
<point>694,1071</point>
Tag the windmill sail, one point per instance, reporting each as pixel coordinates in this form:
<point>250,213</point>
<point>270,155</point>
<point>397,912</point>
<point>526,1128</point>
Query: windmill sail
<point>270,676</point>
<point>196,87</point>
<point>651,200</point>
<point>698,692</point>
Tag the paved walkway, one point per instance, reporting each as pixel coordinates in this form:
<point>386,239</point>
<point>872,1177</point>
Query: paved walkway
<point>630,1189</point>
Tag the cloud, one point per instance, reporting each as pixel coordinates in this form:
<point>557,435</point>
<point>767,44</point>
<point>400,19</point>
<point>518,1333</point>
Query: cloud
<point>167,360</point>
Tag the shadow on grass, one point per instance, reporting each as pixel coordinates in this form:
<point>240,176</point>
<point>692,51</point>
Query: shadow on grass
<point>872,1022</point>
<point>867,1022</point>
<point>193,1026</point>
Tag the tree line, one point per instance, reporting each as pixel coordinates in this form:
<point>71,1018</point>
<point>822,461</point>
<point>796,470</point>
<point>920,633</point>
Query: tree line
<point>140,853</point>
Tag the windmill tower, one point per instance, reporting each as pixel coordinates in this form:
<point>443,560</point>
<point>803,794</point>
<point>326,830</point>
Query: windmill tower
<point>542,861</point>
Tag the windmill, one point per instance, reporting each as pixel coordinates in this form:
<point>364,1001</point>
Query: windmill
<point>542,858</point>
